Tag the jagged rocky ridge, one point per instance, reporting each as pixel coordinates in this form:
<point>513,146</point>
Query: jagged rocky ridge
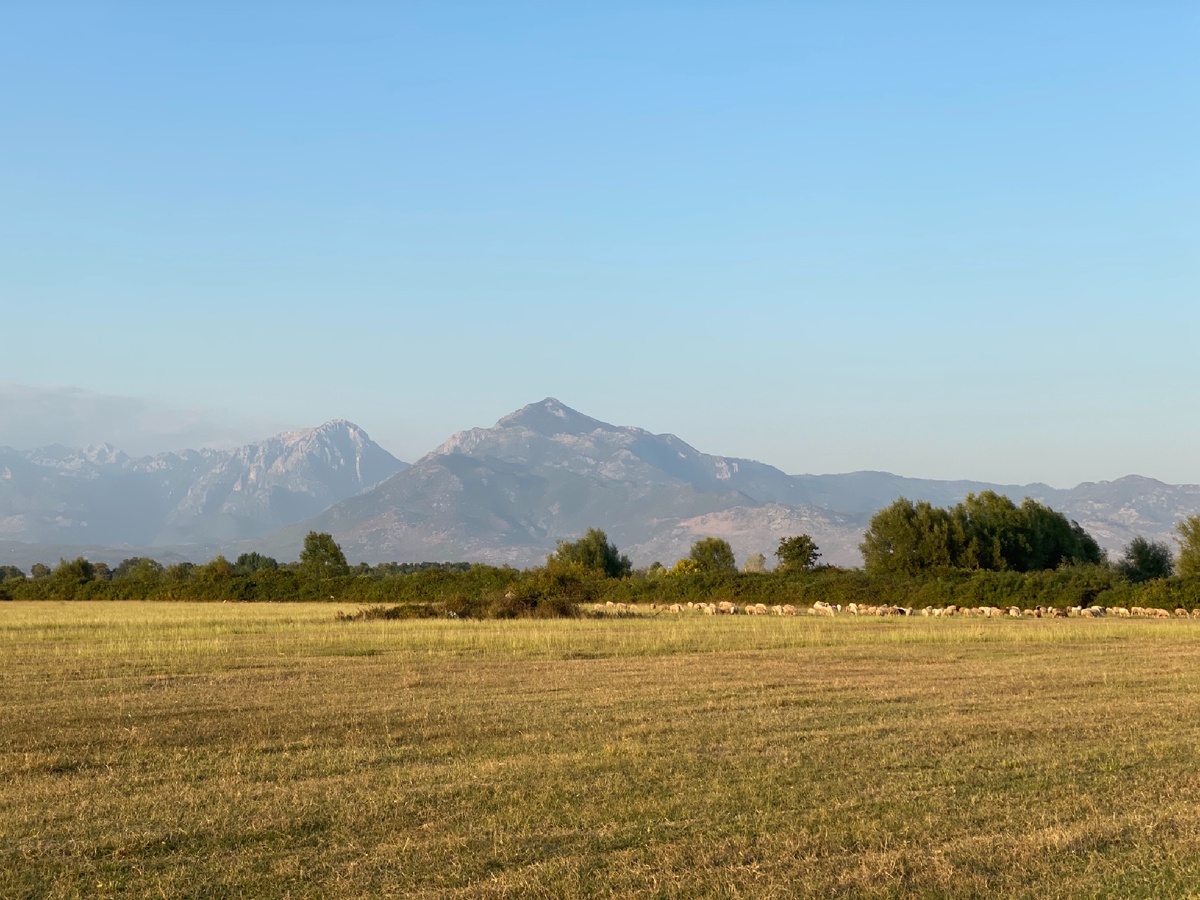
<point>503,494</point>
<point>101,496</point>
<point>546,472</point>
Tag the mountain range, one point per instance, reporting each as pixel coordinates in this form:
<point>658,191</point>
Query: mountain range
<point>189,499</point>
<point>504,494</point>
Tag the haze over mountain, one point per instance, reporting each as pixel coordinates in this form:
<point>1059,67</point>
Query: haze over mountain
<point>546,472</point>
<point>504,494</point>
<point>40,415</point>
<point>101,496</point>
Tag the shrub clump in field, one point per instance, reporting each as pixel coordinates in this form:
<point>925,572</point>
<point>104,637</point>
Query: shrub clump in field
<point>373,613</point>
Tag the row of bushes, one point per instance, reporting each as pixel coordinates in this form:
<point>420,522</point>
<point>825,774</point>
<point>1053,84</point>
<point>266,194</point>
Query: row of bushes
<point>482,591</point>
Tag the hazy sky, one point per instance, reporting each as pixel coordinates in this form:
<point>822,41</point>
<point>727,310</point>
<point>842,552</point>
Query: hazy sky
<point>942,239</point>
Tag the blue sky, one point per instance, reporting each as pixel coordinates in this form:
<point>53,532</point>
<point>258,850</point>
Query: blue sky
<point>941,241</point>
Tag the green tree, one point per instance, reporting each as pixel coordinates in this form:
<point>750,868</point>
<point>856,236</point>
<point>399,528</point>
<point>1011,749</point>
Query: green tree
<point>11,573</point>
<point>713,554</point>
<point>249,563</point>
<point>797,553</point>
<point>989,533</point>
<point>126,566</point>
<point>1050,540</point>
<point>1189,546</point>
<point>77,571</point>
<point>1146,560</point>
<point>898,540</point>
<point>322,557</point>
<point>986,531</point>
<point>217,569</point>
<point>142,569</point>
<point>39,570</point>
<point>180,572</point>
<point>69,577</point>
<point>593,551</point>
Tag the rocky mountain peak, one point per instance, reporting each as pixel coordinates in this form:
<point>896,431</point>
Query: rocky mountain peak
<point>331,428</point>
<point>550,417</point>
<point>104,455</point>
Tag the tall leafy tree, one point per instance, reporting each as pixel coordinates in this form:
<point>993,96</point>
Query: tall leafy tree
<point>593,551</point>
<point>69,577</point>
<point>906,538</point>
<point>1189,546</point>
<point>322,557</point>
<point>11,573</point>
<point>249,563</point>
<point>797,552</point>
<point>141,569</point>
<point>1146,560</point>
<point>985,531</point>
<point>713,554</point>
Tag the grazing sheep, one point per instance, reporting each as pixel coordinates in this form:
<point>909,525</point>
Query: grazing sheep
<point>1181,613</point>
<point>788,609</point>
<point>1014,612</point>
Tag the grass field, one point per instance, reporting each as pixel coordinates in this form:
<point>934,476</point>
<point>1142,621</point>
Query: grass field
<point>219,750</point>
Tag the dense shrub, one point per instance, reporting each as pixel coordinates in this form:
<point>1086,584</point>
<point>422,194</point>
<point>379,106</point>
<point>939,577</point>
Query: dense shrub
<point>564,587</point>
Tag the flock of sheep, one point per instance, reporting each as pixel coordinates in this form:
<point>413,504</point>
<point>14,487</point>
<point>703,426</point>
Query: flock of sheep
<point>821,608</point>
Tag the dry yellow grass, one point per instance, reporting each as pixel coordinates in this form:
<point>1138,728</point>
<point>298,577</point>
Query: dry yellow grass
<point>219,750</point>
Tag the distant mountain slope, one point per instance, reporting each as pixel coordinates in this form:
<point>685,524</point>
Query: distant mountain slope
<point>504,494</point>
<point>1115,512</point>
<point>862,493</point>
<point>98,495</point>
<point>546,472</point>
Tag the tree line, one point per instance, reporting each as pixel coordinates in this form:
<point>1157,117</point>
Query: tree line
<point>985,550</point>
